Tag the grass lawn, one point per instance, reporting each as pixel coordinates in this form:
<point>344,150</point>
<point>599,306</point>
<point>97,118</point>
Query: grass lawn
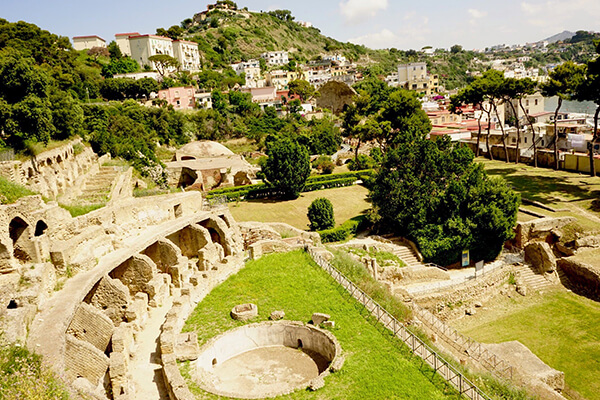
<point>560,327</point>
<point>376,365</point>
<point>10,192</point>
<point>347,202</point>
<point>563,190</point>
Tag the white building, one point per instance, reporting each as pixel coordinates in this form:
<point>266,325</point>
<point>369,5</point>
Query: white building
<point>251,68</point>
<point>122,40</point>
<point>337,58</point>
<point>146,46</point>
<point>187,54</point>
<point>276,57</point>
<point>87,42</point>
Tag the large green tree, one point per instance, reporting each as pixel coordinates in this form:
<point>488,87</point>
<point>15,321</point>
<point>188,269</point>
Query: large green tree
<point>590,90</point>
<point>287,167</point>
<point>563,82</point>
<point>433,193</point>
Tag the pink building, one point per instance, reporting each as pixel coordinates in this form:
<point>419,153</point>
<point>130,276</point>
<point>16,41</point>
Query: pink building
<point>181,98</point>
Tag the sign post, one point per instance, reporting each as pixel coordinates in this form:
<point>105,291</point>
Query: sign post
<point>479,267</point>
<point>465,258</point>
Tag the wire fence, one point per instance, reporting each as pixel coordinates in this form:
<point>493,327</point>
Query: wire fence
<point>447,371</point>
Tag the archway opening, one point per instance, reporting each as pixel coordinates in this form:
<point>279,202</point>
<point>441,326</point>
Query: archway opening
<point>17,230</point>
<point>40,228</point>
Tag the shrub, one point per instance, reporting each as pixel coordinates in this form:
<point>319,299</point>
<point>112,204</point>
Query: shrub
<point>320,214</point>
<point>343,231</point>
<point>324,165</point>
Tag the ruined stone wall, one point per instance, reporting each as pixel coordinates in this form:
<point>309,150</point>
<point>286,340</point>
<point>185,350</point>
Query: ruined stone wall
<point>52,172</point>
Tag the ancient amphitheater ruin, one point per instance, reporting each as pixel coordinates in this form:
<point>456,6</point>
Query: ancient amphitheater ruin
<point>96,294</point>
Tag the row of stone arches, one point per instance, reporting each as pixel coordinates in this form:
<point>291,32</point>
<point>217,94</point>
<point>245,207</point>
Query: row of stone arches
<point>121,298</point>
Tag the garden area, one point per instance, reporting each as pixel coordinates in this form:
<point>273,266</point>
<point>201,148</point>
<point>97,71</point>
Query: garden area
<point>377,365</point>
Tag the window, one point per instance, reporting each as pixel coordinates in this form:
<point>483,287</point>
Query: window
<point>527,102</point>
<point>514,140</point>
<point>525,138</point>
<point>536,102</point>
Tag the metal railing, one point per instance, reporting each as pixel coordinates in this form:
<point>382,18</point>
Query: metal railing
<point>446,370</point>
<point>432,265</point>
<point>491,362</point>
<point>7,155</point>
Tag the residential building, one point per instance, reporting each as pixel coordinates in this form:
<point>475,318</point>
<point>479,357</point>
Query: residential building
<point>252,70</point>
<point>265,96</point>
<point>414,76</point>
<point>145,46</point>
<point>204,99</point>
<point>122,40</point>
<point>187,54</point>
<point>181,98</point>
<point>87,42</point>
<point>281,79</point>
<point>337,58</point>
<point>276,57</point>
<point>533,104</point>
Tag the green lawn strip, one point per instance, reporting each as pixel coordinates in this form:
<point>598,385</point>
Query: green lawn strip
<point>81,209</point>
<point>12,191</point>
<point>561,329</point>
<point>348,202</point>
<point>377,365</point>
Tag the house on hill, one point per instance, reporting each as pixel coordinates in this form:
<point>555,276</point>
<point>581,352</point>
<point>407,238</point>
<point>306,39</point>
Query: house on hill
<point>87,42</point>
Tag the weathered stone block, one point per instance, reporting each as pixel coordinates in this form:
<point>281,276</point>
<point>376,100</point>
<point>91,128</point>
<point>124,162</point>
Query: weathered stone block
<point>187,348</point>
<point>541,257</point>
<point>91,325</point>
<point>319,318</point>
<point>82,359</point>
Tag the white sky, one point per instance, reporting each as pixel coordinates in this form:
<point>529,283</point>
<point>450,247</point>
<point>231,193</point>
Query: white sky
<point>375,23</point>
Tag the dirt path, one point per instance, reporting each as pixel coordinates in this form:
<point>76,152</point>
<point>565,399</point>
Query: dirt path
<point>145,365</point>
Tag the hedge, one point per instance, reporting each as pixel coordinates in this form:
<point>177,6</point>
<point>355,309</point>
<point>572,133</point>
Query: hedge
<point>343,231</point>
<point>313,183</point>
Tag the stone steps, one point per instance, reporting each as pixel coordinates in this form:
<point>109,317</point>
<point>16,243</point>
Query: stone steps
<point>97,187</point>
<point>533,280</point>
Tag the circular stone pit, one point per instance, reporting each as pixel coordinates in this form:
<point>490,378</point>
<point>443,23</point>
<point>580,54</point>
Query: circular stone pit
<point>265,359</point>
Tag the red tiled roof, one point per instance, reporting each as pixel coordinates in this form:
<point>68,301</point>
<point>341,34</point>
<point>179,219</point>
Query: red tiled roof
<point>127,34</point>
<point>186,41</point>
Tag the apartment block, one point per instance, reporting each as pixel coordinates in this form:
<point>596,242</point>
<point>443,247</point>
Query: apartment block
<point>87,42</point>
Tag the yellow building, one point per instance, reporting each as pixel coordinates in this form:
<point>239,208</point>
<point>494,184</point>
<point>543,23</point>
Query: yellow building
<point>414,77</point>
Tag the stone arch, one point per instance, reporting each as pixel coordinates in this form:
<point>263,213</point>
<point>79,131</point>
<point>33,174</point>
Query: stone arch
<point>187,178</point>
<point>218,233</point>
<point>135,273</point>
<point>20,234</point>
<point>49,162</point>
<point>164,253</point>
<point>191,240</point>
<point>40,228</point>
<point>30,173</point>
<point>59,159</point>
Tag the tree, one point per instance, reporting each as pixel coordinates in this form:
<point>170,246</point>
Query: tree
<point>469,95</point>
<point>320,214</point>
<point>433,193</point>
<point>302,88</point>
<point>590,90</point>
<point>287,167</point>
<point>98,51</point>
<point>457,48</point>
<point>563,82</point>
<point>114,51</point>
<point>163,63</point>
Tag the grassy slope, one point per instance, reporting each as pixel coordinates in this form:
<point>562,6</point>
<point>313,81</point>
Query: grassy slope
<point>560,189</point>
<point>347,202</point>
<point>291,282</point>
<point>11,192</point>
<point>559,327</point>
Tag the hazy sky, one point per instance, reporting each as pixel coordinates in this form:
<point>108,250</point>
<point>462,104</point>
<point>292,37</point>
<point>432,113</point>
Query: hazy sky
<point>375,23</point>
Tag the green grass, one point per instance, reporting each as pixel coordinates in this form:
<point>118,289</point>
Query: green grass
<point>80,209</point>
<point>22,376</point>
<point>11,192</point>
<point>377,366</point>
<point>570,191</point>
<point>347,202</point>
<point>559,327</point>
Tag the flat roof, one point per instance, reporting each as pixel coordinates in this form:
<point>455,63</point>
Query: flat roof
<point>87,37</point>
<point>128,34</point>
<point>186,41</point>
<point>152,36</point>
